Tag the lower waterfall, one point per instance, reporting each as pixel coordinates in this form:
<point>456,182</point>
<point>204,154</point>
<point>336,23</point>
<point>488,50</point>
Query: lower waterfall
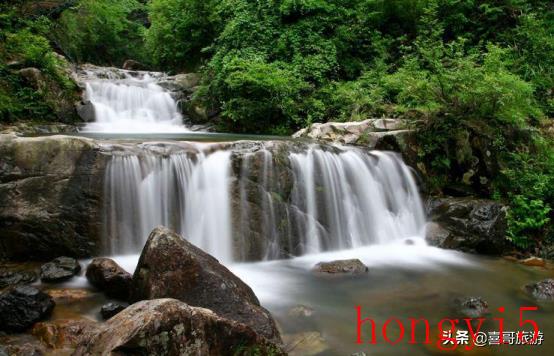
<point>261,202</point>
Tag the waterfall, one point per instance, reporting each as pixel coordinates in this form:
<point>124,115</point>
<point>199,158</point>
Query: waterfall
<point>125,103</point>
<point>260,203</point>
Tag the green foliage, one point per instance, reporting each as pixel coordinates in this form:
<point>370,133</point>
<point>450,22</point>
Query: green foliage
<point>23,43</point>
<point>101,31</point>
<point>180,30</point>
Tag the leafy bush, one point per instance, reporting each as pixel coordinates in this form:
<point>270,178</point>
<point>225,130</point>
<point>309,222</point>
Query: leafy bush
<point>101,31</point>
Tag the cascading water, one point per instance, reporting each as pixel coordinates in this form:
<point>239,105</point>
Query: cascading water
<point>125,103</point>
<point>261,203</point>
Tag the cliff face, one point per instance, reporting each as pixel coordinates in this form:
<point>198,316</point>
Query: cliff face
<point>50,196</point>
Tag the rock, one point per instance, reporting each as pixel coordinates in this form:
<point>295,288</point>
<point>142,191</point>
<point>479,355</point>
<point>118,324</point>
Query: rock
<point>62,333</point>
<point>22,306</point>
<point>471,307</point>
<point>171,327</point>
<point>305,344</point>
<point>69,295</point>
<point>59,269</point>
<point>110,309</point>
<point>13,277</point>
<point>301,311</point>
<point>435,234</point>
<point>353,266</point>
<point>86,111</point>
<point>468,224</point>
<point>106,275</point>
<point>21,344</point>
<point>187,81</point>
<point>543,290</point>
<point>533,261</point>
<point>171,267</point>
<point>58,98</point>
<point>51,189</point>
<point>131,64</point>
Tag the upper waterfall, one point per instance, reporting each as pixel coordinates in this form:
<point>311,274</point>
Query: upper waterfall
<point>130,102</point>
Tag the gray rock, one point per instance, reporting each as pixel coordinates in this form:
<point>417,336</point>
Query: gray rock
<point>468,224</point>
<point>353,266</point>
<point>22,306</point>
<point>171,267</point>
<point>171,327</point>
<point>110,309</point>
<point>51,190</point>
<point>543,290</point>
<point>59,269</point>
<point>471,307</point>
<point>14,277</point>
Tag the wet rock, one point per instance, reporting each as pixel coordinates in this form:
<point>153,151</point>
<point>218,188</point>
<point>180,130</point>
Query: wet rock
<point>13,277</point>
<point>305,344</point>
<point>533,261</point>
<point>471,307</point>
<point>131,64</point>
<point>352,266</point>
<point>62,333</point>
<point>110,309</point>
<point>22,306</point>
<point>301,311</point>
<point>543,290</point>
<point>467,224</point>
<point>106,275</point>
<point>69,295</point>
<point>51,189</point>
<point>86,111</point>
<point>171,267</point>
<point>59,269</point>
<point>171,327</point>
<point>21,344</point>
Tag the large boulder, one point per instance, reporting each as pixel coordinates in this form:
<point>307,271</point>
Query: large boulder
<point>59,269</point>
<point>22,306</point>
<point>468,224</point>
<point>51,190</point>
<point>106,275</point>
<point>171,267</point>
<point>171,327</point>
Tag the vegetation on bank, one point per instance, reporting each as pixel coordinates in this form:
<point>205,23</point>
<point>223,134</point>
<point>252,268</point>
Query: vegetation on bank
<point>475,77</point>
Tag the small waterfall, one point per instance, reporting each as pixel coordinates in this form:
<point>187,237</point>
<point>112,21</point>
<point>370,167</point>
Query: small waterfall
<point>261,202</point>
<point>125,103</point>
<point>187,193</point>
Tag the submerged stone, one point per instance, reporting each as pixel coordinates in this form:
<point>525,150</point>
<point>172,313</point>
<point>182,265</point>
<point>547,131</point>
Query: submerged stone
<point>471,307</point>
<point>352,266</point>
<point>543,290</point>
<point>11,277</point>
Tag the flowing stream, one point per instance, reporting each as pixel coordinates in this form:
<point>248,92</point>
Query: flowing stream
<point>270,210</point>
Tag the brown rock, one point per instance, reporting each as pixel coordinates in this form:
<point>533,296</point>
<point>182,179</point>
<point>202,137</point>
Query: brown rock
<point>62,333</point>
<point>106,275</point>
<point>171,267</point>
<point>533,261</point>
<point>171,327</point>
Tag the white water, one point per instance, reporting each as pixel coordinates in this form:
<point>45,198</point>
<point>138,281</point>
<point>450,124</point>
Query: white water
<point>189,194</point>
<point>132,105</point>
<point>336,200</point>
